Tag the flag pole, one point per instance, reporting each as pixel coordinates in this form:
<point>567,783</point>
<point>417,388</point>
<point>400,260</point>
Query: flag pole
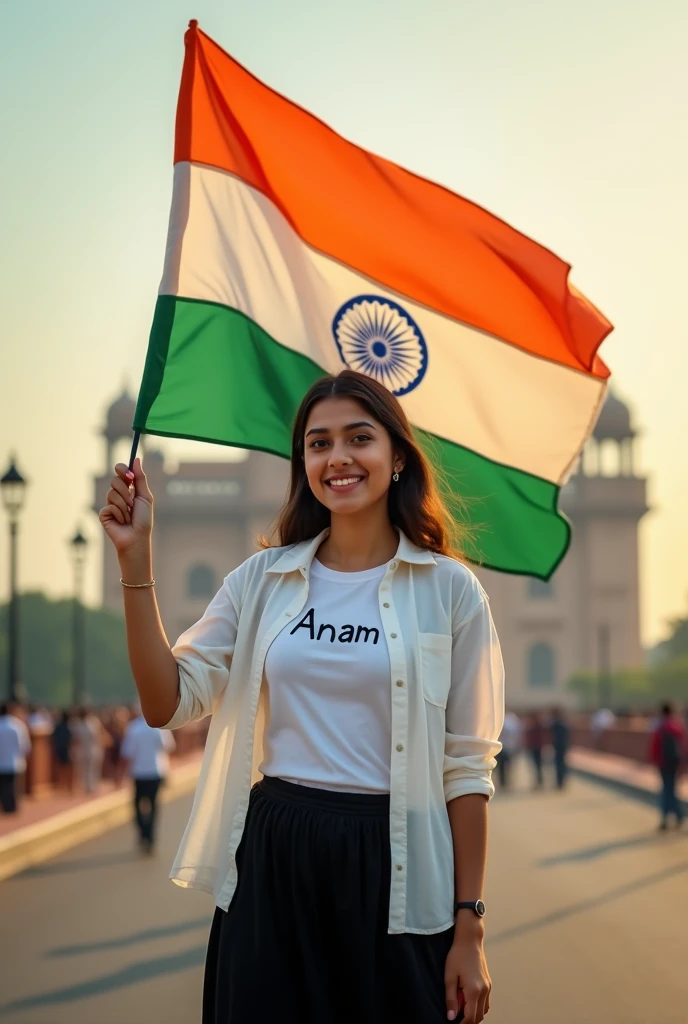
<point>134,449</point>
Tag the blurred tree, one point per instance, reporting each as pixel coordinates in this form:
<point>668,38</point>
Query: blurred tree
<point>670,679</point>
<point>46,652</point>
<point>676,644</point>
<point>586,687</point>
<point>641,688</point>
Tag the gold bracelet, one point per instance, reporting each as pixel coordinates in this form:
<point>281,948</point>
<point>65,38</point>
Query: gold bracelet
<point>135,585</point>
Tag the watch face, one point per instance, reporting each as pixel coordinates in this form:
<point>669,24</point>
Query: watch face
<point>480,908</point>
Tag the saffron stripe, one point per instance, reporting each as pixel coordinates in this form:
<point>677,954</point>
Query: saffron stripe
<point>411,235</point>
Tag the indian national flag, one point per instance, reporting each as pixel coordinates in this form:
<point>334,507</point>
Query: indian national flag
<point>293,252</point>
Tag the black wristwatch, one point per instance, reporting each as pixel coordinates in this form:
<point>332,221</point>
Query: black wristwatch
<point>477,906</point>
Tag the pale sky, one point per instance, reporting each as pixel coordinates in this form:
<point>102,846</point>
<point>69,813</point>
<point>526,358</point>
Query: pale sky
<point>566,120</point>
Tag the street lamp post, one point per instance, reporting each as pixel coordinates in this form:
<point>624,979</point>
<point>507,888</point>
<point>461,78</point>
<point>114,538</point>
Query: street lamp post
<point>78,545</point>
<point>13,486</point>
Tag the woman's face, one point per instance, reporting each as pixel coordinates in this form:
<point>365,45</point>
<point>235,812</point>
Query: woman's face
<point>348,456</point>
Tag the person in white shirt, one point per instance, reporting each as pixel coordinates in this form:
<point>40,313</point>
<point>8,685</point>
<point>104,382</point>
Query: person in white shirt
<point>355,671</point>
<point>511,739</point>
<point>146,751</point>
<point>15,745</point>
<point>39,719</point>
<point>602,721</point>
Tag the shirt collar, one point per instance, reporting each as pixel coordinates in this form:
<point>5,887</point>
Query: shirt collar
<point>300,556</point>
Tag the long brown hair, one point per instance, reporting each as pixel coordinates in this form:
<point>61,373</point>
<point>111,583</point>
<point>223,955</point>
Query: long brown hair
<point>414,502</point>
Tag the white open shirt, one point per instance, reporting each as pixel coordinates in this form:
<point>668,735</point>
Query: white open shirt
<point>447,693</point>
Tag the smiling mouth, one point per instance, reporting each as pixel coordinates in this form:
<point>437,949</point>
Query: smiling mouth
<point>344,483</point>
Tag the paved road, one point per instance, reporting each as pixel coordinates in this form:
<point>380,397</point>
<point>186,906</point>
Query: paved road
<point>587,922</point>
<point>101,936</point>
<point>588,911</point>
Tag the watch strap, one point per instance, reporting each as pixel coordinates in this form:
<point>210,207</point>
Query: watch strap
<point>477,906</point>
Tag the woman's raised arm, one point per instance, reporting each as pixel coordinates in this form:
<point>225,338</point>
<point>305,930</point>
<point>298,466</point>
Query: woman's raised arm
<point>128,521</point>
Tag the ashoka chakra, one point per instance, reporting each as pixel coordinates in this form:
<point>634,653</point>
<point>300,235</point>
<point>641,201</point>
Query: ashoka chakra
<point>378,337</point>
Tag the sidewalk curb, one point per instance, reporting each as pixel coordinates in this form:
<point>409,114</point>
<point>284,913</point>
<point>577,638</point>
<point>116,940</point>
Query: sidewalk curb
<point>34,844</point>
<point>627,789</point>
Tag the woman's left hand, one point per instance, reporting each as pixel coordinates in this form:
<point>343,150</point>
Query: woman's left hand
<point>467,980</point>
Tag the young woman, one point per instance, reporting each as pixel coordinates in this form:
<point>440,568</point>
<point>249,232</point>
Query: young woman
<point>357,669</point>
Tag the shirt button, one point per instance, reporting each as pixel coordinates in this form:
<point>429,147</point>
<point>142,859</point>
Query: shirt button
<point>400,682</point>
<point>400,747</point>
<point>393,636</point>
<point>385,604</point>
<point>287,614</point>
<point>392,565</point>
<point>400,867</point>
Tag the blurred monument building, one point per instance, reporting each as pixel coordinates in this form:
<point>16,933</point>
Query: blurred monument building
<point>208,514</point>
<point>587,617</point>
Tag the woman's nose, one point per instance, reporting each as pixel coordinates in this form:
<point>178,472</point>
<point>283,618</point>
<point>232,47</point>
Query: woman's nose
<point>339,458</point>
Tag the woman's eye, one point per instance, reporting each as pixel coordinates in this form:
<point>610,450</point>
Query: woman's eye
<point>321,442</point>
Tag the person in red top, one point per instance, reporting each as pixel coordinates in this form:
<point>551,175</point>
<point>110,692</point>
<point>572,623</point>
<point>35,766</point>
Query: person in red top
<point>667,752</point>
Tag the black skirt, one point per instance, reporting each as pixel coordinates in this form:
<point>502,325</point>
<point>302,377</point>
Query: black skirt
<point>305,939</point>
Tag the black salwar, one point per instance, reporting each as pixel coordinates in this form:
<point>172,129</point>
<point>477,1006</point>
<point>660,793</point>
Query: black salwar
<point>305,939</point>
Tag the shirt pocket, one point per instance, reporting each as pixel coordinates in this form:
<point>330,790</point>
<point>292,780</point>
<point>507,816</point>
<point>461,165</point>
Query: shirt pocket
<point>435,667</point>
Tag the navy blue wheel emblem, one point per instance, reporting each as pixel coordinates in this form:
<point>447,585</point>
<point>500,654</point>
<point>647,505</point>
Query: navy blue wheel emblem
<point>376,336</point>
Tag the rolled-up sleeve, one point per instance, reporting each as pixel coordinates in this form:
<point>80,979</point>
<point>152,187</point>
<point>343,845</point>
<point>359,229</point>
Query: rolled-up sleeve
<point>204,655</point>
<point>475,707</point>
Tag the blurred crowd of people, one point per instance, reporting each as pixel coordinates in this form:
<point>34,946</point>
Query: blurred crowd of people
<point>86,746</point>
<point>536,735</point>
<point>544,738</point>
<point>90,744</point>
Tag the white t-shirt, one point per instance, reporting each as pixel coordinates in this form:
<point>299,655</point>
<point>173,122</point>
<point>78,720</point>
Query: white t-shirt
<point>146,750</point>
<point>329,712</point>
